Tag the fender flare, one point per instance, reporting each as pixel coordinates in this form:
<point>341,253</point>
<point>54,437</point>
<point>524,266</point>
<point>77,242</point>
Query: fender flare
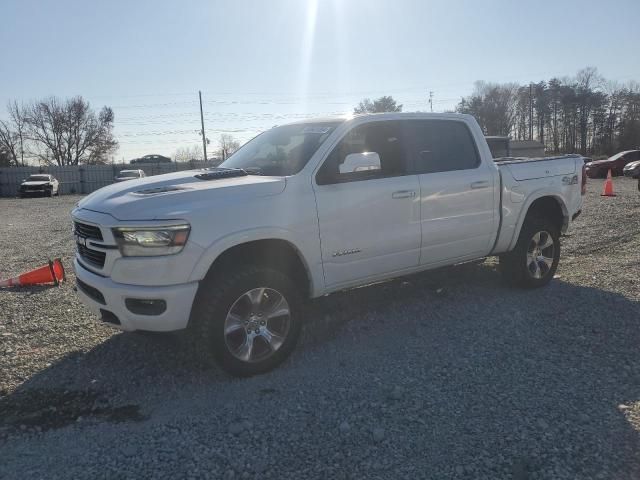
<point>222,244</point>
<point>536,195</point>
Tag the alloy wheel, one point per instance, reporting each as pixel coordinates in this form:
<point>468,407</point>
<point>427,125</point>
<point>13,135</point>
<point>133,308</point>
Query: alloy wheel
<point>540,254</point>
<point>257,324</point>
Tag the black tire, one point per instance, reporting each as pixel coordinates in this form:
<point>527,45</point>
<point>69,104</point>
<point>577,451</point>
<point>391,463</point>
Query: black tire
<point>518,269</point>
<point>216,297</point>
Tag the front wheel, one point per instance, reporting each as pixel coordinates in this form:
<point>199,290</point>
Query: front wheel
<point>534,260</point>
<point>247,321</point>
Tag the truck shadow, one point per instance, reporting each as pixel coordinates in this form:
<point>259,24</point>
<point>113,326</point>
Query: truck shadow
<point>595,363</point>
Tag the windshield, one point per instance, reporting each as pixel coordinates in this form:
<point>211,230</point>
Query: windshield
<point>128,173</point>
<point>38,178</point>
<point>281,151</point>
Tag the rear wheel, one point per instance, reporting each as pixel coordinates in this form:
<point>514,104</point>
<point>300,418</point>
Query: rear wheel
<point>534,260</point>
<point>248,321</point>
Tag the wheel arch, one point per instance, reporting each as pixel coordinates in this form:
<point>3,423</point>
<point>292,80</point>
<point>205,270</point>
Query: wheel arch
<point>546,205</point>
<point>273,251</point>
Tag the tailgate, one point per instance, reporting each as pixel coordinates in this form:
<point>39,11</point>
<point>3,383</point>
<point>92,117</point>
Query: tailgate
<point>531,168</point>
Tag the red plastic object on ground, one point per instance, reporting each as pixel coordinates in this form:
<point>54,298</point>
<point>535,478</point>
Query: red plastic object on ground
<point>53,272</point>
<point>607,191</point>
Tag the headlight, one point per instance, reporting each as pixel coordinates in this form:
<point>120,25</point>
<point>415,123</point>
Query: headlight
<point>151,241</point>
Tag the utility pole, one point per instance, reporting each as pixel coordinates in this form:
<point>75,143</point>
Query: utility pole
<point>204,139</point>
<point>431,100</point>
<point>530,111</point>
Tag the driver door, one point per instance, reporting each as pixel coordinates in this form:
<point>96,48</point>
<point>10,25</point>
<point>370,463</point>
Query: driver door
<point>369,215</point>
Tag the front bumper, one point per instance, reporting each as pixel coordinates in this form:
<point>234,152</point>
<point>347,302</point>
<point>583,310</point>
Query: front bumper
<point>34,193</point>
<point>109,302</point>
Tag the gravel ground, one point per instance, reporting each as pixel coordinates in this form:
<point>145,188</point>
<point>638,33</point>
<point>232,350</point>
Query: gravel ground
<point>448,374</point>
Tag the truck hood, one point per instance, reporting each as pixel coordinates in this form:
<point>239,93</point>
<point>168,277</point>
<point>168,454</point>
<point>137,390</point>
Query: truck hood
<point>174,195</point>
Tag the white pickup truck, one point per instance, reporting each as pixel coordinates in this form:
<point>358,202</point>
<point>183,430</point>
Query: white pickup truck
<point>307,209</point>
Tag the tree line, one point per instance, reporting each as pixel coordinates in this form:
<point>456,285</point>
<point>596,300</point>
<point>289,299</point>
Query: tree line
<point>58,132</point>
<point>585,114</point>
<point>227,145</point>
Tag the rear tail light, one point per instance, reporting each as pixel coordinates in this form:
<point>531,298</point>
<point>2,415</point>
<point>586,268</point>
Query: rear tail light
<point>583,189</point>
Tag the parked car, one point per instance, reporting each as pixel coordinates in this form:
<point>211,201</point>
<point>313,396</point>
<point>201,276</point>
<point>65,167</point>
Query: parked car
<point>311,208</point>
<point>616,163</point>
<point>125,175</point>
<point>151,159</point>
<point>39,184</point>
<point>632,169</point>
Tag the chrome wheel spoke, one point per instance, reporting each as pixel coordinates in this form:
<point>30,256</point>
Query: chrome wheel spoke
<point>245,350</point>
<point>534,268</point>
<point>274,340</point>
<point>233,324</point>
<point>536,240</point>
<point>548,242</point>
<point>279,309</point>
<point>547,261</point>
<point>255,297</point>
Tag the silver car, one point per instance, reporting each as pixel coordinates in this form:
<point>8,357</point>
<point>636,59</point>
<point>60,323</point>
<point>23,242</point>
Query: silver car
<point>125,175</point>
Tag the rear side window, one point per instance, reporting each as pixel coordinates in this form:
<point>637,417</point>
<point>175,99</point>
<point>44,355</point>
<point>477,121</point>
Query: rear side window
<point>441,146</point>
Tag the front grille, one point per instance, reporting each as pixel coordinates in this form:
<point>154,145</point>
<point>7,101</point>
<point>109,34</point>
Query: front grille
<point>91,292</point>
<point>87,231</point>
<point>94,257</point>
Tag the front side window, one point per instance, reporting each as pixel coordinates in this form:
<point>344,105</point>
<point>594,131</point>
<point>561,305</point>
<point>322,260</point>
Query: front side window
<point>379,141</point>
<point>281,151</point>
<point>441,146</point>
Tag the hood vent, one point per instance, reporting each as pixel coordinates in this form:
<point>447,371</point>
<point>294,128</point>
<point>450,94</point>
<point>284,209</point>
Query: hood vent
<point>156,190</point>
<point>218,173</point>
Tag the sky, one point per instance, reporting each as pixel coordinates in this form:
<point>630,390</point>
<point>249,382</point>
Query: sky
<point>265,63</point>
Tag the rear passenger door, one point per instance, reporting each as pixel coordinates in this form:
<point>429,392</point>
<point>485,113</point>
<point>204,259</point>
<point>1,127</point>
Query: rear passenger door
<point>458,214</point>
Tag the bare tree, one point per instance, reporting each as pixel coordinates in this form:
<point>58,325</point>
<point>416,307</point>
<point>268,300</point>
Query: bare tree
<point>186,154</point>
<point>13,136</point>
<point>382,104</point>
<point>227,146</point>
<point>493,105</point>
<point>69,132</point>
<point>5,159</point>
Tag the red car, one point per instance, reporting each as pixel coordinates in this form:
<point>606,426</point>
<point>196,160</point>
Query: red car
<point>599,168</point>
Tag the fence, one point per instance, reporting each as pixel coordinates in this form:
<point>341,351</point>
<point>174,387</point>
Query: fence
<point>87,178</point>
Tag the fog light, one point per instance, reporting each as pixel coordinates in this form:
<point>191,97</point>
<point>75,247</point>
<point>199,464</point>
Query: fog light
<point>143,306</point>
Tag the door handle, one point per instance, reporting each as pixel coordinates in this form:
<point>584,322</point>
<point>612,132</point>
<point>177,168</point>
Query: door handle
<point>480,184</point>
<point>403,194</point>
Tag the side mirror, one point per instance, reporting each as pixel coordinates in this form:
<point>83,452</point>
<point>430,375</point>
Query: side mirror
<point>360,162</point>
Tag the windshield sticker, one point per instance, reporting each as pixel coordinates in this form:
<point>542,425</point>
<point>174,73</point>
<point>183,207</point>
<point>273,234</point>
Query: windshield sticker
<point>317,129</point>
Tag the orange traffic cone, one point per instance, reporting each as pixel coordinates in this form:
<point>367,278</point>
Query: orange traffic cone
<point>53,272</point>
<point>607,191</point>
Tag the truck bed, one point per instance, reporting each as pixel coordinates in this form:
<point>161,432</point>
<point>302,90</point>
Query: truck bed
<point>539,167</point>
